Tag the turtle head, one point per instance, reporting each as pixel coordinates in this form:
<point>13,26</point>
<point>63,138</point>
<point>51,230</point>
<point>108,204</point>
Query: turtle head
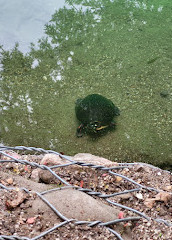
<point>92,127</point>
<point>95,127</point>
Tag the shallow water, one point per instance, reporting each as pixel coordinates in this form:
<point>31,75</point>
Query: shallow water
<point>120,49</point>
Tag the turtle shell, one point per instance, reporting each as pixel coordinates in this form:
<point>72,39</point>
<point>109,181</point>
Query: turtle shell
<point>95,108</point>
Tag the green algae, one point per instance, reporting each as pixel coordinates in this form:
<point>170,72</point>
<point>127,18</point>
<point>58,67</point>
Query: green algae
<point>112,48</point>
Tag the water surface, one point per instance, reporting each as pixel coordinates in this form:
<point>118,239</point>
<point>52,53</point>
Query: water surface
<point>120,49</point>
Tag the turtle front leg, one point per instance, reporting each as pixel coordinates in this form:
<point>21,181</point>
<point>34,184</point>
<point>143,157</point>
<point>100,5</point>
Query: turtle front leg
<point>80,130</point>
<point>112,125</point>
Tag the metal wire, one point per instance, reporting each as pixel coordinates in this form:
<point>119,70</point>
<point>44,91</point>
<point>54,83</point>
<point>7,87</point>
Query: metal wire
<point>106,197</point>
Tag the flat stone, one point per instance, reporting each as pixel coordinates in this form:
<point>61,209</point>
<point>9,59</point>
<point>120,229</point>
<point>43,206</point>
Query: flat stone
<point>75,204</point>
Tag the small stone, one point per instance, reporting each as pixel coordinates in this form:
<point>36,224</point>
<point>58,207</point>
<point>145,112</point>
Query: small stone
<point>35,175</point>
<point>139,196</point>
<point>164,93</point>
<point>9,181</point>
<point>118,179</point>
<point>139,168</point>
<point>148,224</point>
<point>168,188</point>
<point>44,78</point>
<point>126,196</point>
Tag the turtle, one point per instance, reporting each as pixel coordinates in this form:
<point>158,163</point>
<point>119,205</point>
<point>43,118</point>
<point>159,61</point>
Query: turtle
<point>96,114</point>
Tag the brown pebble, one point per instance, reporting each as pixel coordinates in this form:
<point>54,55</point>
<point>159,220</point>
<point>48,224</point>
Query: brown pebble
<point>9,181</point>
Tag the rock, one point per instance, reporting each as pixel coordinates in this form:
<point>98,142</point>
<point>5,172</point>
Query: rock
<point>89,158</point>
<point>25,183</point>
<point>35,175</point>
<point>52,159</point>
<point>164,93</point>
<point>49,160</point>
<point>46,176</point>
<point>76,204</point>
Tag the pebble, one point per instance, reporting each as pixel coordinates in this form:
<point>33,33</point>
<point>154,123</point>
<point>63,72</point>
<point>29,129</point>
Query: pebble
<point>139,196</point>
<point>148,224</point>
<point>9,181</point>
<point>164,93</point>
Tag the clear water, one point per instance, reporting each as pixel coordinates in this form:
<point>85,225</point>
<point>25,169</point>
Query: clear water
<point>120,49</point>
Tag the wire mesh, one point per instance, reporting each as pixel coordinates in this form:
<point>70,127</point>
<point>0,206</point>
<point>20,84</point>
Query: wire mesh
<point>106,197</point>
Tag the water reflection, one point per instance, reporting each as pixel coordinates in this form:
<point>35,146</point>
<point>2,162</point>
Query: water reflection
<point>120,49</point>
<point>23,21</point>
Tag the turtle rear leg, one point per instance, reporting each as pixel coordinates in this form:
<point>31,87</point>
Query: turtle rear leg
<point>80,130</point>
<point>112,125</point>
